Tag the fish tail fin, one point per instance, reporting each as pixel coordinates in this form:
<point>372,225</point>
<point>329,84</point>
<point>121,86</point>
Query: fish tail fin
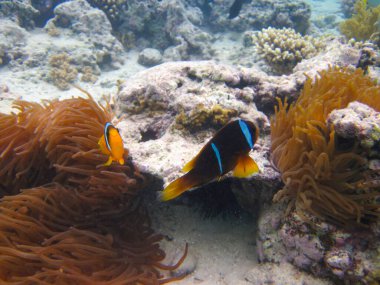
<point>178,186</point>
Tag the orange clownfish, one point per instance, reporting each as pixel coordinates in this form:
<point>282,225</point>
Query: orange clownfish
<point>111,144</point>
<point>227,150</point>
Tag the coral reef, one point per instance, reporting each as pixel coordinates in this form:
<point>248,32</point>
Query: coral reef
<point>323,174</point>
<point>91,48</point>
<point>261,14</point>
<point>78,20</point>
<point>172,27</point>
<point>187,37</point>
<point>19,11</point>
<point>90,228</point>
<point>362,24</point>
<point>283,48</point>
<point>45,10</point>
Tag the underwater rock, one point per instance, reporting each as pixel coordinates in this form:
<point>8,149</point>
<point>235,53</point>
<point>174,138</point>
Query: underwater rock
<point>79,21</point>
<point>21,12</point>
<point>187,37</point>
<point>357,122</point>
<point>12,40</point>
<point>347,7</point>
<point>282,273</point>
<point>165,25</point>
<point>324,250</point>
<point>336,53</point>
<point>150,57</point>
<point>261,14</point>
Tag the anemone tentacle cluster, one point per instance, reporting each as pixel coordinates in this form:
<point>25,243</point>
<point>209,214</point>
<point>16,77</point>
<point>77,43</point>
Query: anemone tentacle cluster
<point>80,222</point>
<point>324,174</point>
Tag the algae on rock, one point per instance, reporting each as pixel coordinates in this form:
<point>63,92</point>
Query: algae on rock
<point>362,24</point>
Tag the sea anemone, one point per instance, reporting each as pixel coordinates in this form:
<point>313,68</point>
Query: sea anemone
<point>321,176</point>
<point>82,222</point>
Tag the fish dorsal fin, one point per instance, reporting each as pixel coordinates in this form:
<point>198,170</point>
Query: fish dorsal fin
<point>245,167</point>
<point>190,165</point>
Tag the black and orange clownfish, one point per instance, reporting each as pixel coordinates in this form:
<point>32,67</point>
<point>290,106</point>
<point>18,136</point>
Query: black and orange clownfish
<point>111,144</point>
<point>227,150</point>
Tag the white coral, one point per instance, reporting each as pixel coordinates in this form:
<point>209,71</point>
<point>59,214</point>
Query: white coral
<point>284,48</point>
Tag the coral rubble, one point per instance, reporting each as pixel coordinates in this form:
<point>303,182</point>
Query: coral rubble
<point>86,227</point>
<point>324,174</point>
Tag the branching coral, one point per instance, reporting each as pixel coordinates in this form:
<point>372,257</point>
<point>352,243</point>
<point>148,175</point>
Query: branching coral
<point>322,175</point>
<point>62,72</point>
<point>363,22</point>
<point>86,228</point>
<point>283,48</point>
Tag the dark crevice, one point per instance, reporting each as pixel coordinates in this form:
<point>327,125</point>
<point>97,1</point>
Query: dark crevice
<point>214,199</point>
<point>242,84</point>
<point>148,135</point>
<point>236,7</point>
<point>45,9</point>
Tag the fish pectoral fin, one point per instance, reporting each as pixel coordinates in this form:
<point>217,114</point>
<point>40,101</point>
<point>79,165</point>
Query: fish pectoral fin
<point>109,161</point>
<point>190,165</point>
<point>245,167</point>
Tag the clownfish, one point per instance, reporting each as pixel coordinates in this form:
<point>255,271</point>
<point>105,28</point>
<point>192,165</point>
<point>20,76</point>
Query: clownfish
<point>227,150</point>
<point>111,144</point>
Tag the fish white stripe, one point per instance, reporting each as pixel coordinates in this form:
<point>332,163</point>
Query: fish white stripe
<point>217,154</point>
<point>106,135</point>
<point>246,133</point>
